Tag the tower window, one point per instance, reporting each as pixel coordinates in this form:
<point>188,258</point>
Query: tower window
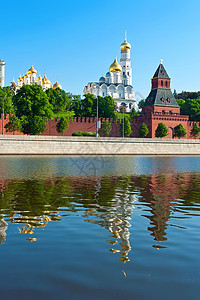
<point>123,73</point>
<point>128,73</point>
<point>161,83</point>
<point>166,83</point>
<point>103,94</point>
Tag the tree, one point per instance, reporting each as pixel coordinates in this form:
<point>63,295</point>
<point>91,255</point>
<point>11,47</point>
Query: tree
<point>195,131</point>
<point>143,130</point>
<point>141,103</point>
<point>13,124</point>
<point>62,125</point>
<point>7,95</point>
<point>59,99</point>
<point>32,108</point>
<point>127,127</point>
<point>180,131</point>
<point>106,128</point>
<point>76,105</point>
<point>133,113</point>
<point>161,130</point>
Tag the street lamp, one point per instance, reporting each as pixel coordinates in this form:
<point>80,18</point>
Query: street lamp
<point>123,120</point>
<point>3,115</point>
<point>97,118</point>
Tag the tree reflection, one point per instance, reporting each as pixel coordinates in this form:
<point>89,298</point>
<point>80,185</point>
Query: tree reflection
<point>106,201</point>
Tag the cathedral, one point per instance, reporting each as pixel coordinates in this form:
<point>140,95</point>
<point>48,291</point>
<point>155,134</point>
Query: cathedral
<point>118,82</point>
<point>31,78</point>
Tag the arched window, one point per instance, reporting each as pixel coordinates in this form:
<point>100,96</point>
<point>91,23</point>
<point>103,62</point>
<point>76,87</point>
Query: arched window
<point>166,83</point>
<point>161,82</point>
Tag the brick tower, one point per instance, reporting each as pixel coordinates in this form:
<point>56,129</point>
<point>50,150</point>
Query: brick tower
<point>161,98</point>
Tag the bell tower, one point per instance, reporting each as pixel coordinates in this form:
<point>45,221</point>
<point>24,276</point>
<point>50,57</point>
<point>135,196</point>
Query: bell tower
<point>125,62</point>
<point>2,73</point>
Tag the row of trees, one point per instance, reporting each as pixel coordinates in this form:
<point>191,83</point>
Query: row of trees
<point>161,131</point>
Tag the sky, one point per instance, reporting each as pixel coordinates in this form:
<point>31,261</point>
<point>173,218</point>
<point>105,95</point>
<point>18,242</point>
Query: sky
<point>75,42</point>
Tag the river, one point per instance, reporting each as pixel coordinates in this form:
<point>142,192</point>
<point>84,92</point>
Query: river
<point>119,227</point>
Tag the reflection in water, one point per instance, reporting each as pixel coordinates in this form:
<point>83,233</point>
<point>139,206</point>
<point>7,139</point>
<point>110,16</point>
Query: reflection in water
<point>106,201</point>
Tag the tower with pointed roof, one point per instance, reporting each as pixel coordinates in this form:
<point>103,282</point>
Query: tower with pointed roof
<point>2,73</point>
<point>160,98</point>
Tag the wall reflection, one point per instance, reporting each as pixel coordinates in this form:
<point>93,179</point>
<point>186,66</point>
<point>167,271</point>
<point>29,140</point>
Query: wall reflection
<point>107,201</point>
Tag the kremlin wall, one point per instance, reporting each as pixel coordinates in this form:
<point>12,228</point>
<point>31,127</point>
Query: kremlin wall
<point>89,125</point>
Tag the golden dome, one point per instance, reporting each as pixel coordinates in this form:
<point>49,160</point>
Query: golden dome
<point>125,44</point>
<point>115,67</point>
<point>39,78</point>
<point>13,84</point>
<point>45,80</point>
<point>32,70</point>
<point>20,79</point>
<point>26,76</point>
<point>57,85</point>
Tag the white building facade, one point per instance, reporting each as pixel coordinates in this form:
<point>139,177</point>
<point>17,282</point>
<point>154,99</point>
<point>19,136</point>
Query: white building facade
<point>32,78</point>
<point>117,83</point>
<point>2,73</point>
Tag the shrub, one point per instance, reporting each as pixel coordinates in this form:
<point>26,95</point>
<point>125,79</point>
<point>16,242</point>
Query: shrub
<point>62,125</point>
<point>143,130</point>
<point>180,131</point>
<point>82,133</point>
<point>161,130</point>
<point>106,128</point>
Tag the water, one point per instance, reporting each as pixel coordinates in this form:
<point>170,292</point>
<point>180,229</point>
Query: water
<point>100,227</point>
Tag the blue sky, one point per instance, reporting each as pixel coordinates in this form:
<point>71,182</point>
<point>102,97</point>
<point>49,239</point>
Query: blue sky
<point>76,41</point>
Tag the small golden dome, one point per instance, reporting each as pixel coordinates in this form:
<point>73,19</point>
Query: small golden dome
<point>13,84</point>
<point>39,77</point>
<point>57,85</point>
<point>20,79</point>
<point>26,76</point>
<point>32,70</point>
<point>115,67</point>
<point>125,44</point>
<point>45,80</point>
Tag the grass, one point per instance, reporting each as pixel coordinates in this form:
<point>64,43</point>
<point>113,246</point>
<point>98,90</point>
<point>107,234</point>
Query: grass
<point>64,114</point>
<point>120,115</point>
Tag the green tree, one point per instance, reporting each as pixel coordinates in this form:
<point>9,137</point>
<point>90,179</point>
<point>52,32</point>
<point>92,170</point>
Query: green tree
<point>127,127</point>
<point>13,124</point>
<point>7,95</point>
<point>32,108</point>
<point>195,131</point>
<point>143,130</point>
<point>190,107</point>
<point>133,113</point>
<point>59,99</point>
<point>106,107</point>
<point>180,131</point>
<point>62,125</point>
<point>141,103</point>
<point>76,105</point>
<point>106,128</point>
<point>161,130</point>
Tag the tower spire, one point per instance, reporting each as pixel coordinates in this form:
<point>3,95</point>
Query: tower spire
<point>125,35</point>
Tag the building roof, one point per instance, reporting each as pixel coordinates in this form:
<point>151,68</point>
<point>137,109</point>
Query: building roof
<point>161,97</point>
<point>161,72</point>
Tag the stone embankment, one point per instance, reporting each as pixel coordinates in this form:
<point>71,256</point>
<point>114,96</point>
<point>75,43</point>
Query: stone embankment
<point>54,145</point>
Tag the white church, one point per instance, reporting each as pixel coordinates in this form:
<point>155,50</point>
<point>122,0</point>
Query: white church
<point>117,83</point>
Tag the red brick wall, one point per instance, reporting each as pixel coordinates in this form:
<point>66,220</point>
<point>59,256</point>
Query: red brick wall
<point>6,120</point>
<point>89,125</point>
